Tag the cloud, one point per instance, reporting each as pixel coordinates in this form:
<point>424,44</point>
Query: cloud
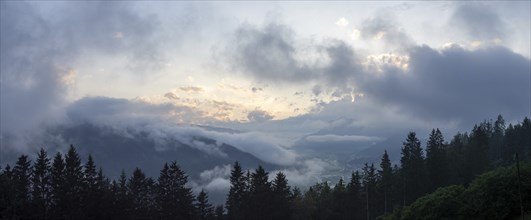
<point>191,89</point>
<point>259,116</point>
<point>456,83</point>
<point>218,184</point>
<point>342,22</point>
<point>479,22</point>
<point>307,172</point>
<point>158,121</point>
<point>272,53</point>
<point>216,179</point>
<point>422,85</point>
<point>39,53</point>
<point>384,28</point>
<point>113,111</point>
<point>334,138</point>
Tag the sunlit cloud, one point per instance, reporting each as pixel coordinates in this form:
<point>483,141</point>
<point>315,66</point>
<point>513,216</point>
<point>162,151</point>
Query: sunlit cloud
<point>342,22</point>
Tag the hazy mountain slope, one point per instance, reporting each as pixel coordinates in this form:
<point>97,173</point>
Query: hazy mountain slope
<point>114,150</point>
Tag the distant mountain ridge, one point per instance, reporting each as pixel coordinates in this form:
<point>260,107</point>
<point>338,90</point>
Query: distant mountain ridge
<point>115,150</point>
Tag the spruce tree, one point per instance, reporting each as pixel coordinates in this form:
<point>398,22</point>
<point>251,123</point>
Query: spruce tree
<point>220,212</point>
<point>41,186</point>
<point>477,152</point>
<point>496,143</point>
<point>92,192</point>
<point>281,197</point>
<point>436,160</point>
<point>354,197</point>
<point>139,189</point>
<point>174,198</point>
<point>22,181</point>
<point>73,177</point>
<point>369,181</point>
<point>260,199</point>
<point>386,179</point>
<point>205,210</point>
<point>58,188</point>
<point>340,201</point>
<point>236,199</point>
<point>7,193</point>
<point>413,169</point>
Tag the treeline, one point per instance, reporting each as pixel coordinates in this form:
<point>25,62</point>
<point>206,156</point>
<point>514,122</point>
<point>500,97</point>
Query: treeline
<point>63,188</point>
<point>492,195</point>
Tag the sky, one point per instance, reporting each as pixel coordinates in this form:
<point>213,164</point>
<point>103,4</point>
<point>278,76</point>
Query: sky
<point>280,71</point>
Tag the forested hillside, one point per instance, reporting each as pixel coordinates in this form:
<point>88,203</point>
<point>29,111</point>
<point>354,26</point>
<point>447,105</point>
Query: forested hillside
<point>63,187</point>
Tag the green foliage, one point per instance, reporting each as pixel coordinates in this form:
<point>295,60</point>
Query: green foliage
<point>495,194</point>
<point>444,203</point>
<point>492,195</point>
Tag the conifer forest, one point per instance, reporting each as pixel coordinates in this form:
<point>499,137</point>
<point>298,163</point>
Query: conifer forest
<point>471,175</point>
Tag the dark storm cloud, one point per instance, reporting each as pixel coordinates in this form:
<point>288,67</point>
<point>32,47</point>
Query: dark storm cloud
<point>452,84</point>
<point>113,111</point>
<point>40,46</point>
<point>457,83</point>
<point>270,53</point>
<point>479,22</point>
<point>30,81</point>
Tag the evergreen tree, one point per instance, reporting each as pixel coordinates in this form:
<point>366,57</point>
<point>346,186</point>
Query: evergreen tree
<point>236,199</point>
<point>340,201</point>
<point>496,143</point>
<point>386,179</point>
<point>139,190</point>
<point>456,158</point>
<point>90,189</point>
<point>90,176</point>
<point>73,177</point>
<point>174,198</point>
<point>41,186</point>
<point>260,195</point>
<point>297,205</point>
<point>22,182</point>
<point>7,194</point>
<point>476,152</point>
<point>58,188</point>
<point>369,185</point>
<point>281,197</point>
<point>205,210</point>
<point>324,201</point>
<point>413,169</point>
<point>122,201</point>
<point>220,212</point>
<point>354,197</point>
<point>436,160</point>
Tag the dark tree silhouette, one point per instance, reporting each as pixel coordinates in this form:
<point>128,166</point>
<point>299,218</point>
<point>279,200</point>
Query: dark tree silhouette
<point>237,197</point>
<point>436,160</point>
<point>205,210</point>
<point>281,201</point>
<point>41,186</point>
<point>385,174</point>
